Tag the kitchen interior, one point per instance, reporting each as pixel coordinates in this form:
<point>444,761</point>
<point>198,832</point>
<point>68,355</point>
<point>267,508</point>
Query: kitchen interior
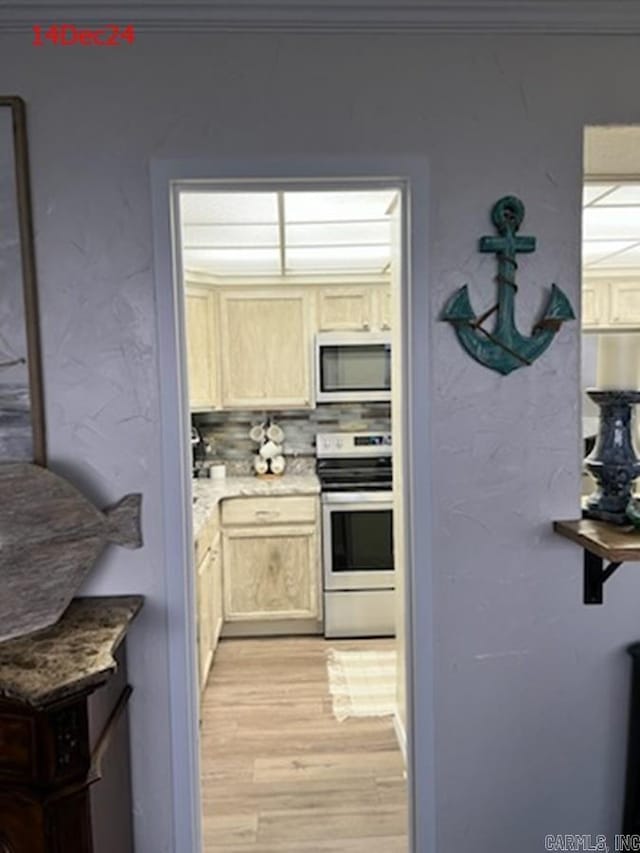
<point>292,307</point>
<point>610,298</point>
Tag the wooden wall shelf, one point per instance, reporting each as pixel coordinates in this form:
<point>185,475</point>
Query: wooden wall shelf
<point>601,541</point>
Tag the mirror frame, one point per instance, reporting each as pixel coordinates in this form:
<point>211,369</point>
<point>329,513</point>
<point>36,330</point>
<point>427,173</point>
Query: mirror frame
<point>28,268</point>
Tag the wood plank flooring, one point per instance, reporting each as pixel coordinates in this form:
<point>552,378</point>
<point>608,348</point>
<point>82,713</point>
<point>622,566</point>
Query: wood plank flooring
<point>279,773</point>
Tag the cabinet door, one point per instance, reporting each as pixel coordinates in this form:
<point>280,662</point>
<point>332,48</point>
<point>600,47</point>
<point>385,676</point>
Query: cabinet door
<point>595,304</point>
<point>625,303</point>
<point>266,344</point>
<point>384,307</point>
<point>216,592</point>
<point>344,308</point>
<point>270,573</point>
<point>205,617</point>
<point>201,356</point>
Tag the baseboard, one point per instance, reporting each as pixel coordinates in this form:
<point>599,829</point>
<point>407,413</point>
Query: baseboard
<point>401,735</point>
<point>271,628</point>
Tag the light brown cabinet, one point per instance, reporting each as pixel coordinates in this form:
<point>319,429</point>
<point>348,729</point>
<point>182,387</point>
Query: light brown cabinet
<point>271,571</point>
<point>265,348</point>
<point>208,595</point>
<point>611,303</point>
<point>200,322</point>
<point>351,307</point>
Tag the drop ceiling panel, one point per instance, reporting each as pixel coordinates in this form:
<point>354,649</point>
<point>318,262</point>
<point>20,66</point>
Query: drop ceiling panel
<point>324,259</point>
<point>595,251</point>
<point>337,206</point>
<point>616,223</point>
<point>221,236</point>
<point>629,259</point>
<point>628,194</point>
<point>592,192</point>
<point>210,208</point>
<point>234,261</point>
<point>343,233</point>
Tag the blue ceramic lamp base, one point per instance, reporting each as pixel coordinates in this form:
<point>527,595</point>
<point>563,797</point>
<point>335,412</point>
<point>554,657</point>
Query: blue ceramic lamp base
<point>613,463</point>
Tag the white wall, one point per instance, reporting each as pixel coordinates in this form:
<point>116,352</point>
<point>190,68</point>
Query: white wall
<point>531,686</point>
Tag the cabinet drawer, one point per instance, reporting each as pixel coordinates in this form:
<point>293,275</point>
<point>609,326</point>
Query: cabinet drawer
<point>282,510</point>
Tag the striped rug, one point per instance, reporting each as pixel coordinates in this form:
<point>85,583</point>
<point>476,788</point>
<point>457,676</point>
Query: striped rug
<point>362,684</point>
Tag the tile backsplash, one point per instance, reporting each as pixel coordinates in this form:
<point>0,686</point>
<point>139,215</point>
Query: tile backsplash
<point>228,432</point>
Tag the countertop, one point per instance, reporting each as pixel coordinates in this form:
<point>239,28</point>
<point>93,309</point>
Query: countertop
<point>209,492</point>
<point>74,655</point>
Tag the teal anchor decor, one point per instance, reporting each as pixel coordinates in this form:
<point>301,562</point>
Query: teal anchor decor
<point>505,349</point>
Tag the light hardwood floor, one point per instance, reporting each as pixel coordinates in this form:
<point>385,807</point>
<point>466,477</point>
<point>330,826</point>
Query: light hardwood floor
<point>279,773</point>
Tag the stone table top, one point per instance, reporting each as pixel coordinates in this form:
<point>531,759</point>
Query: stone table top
<point>72,656</point>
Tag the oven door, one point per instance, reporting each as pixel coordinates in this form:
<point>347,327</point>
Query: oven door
<point>357,540</point>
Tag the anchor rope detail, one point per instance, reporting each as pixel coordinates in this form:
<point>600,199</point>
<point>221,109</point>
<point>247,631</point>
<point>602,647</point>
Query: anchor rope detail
<point>505,349</point>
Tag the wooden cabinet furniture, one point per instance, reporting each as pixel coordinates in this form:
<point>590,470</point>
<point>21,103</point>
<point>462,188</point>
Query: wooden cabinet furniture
<point>47,764</point>
<point>611,303</point>
<point>271,566</point>
<point>351,307</point>
<point>265,348</point>
<point>384,306</point>
<point>208,561</point>
<point>345,308</point>
<point>202,357</point>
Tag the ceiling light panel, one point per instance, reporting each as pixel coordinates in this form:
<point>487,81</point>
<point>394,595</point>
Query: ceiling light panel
<point>617,223</point>
<point>230,236</point>
<point>628,259</point>
<point>234,262</point>
<point>337,206</point>
<point>225,208</point>
<point>338,234</point>
<point>333,259</point>
<point>592,192</point>
<point>594,251</point>
<point>623,194</point>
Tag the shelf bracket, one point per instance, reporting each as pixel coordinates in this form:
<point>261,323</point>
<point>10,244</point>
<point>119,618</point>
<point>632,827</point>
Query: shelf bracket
<point>595,577</point>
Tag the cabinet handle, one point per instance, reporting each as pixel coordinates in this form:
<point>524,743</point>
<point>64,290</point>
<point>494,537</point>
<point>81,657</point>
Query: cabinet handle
<point>365,325</point>
<point>267,513</point>
<point>386,326</point>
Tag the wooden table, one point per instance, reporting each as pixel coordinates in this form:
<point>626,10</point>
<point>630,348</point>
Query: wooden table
<point>46,764</point>
<point>601,541</point>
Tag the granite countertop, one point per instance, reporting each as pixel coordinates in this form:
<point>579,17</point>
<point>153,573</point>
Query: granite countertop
<point>209,493</point>
<point>74,655</point>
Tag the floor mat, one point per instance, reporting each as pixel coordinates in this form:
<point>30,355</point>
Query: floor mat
<point>362,684</point>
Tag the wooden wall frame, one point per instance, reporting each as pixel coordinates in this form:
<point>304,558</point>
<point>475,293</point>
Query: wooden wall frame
<point>30,357</point>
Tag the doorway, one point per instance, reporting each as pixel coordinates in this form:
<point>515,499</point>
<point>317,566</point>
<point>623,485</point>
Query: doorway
<point>176,430</point>
<point>610,273</point>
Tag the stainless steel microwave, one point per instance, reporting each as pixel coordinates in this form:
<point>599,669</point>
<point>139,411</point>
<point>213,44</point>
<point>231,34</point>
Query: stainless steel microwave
<point>352,366</point>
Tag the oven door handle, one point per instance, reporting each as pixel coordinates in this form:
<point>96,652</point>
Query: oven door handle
<point>329,498</point>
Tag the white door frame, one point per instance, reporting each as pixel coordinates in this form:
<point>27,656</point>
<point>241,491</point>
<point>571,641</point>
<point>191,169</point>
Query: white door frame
<point>410,174</point>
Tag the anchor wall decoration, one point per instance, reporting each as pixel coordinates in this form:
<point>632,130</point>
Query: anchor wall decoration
<point>505,349</point>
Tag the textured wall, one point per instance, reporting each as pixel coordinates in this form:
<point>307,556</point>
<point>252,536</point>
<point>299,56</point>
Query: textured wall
<point>531,686</point>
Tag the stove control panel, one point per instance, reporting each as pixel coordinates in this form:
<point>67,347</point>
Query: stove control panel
<point>330,444</point>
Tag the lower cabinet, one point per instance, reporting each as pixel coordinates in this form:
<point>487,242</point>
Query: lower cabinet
<point>271,572</point>
<point>208,597</point>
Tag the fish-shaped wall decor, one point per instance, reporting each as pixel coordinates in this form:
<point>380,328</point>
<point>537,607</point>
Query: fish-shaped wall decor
<point>50,538</point>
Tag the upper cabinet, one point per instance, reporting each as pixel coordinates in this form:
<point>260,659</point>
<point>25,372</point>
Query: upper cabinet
<point>202,362</point>
<point>349,307</point>
<point>611,303</point>
<point>265,337</point>
<point>345,308</point>
<point>250,347</point>
<point>384,306</point>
